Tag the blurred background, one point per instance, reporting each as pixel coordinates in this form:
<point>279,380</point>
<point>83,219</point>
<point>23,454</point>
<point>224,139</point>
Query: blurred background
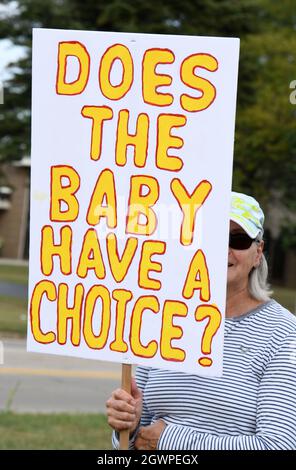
<point>49,402</point>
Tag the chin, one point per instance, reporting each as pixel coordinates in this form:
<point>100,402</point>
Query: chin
<point>230,277</point>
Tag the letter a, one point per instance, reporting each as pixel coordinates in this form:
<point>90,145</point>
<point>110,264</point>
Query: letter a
<point>105,187</point>
<point>198,265</point>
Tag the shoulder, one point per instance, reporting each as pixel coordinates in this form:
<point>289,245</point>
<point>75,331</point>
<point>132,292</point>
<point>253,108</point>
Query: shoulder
<point>279,325</point>
<point>279,318</point>
<point>268,326</point>
<point>270,331</point>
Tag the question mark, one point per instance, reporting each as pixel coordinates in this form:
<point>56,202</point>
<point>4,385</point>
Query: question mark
<point>213,314</point>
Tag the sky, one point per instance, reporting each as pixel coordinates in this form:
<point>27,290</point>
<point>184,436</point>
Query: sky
<point>8,52</point>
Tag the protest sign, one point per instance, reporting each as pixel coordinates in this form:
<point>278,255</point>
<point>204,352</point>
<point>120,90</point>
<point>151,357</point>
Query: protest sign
<point>132,145</point>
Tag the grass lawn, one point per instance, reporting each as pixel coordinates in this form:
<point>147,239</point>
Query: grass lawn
<point>286,297</point>
<point>16,274</point>
<point>54,431</point>
<point>13,315</point>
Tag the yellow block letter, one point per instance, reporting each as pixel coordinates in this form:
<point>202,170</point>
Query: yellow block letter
<point>99,341</point>
<point>169,331</point>
<point>98,114</point>
<point>152,80</point>
<point>189,205</point>
<point>74,49</point>
<point>145,302</point>
<point>91,256</point>
<point>150,248</point>
<point>139,140</point>
<point>165,141</point>
<point>64,193</point>
<point>122,53</point>
<point>105,187</point>
<point>199,266</point>
<point>120,266</point>
<point>48,288</point>
<point>204,61</point>
<point>50,249</point>
<point>139,204</point>
<point>66,313</point>
<point>123,297</point>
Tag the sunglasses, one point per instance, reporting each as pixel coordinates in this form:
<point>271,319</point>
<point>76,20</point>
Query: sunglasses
<point>240,241</point>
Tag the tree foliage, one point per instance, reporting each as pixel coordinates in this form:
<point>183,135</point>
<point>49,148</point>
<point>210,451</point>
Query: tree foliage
<point>265,147</point>
<point>265,152</point>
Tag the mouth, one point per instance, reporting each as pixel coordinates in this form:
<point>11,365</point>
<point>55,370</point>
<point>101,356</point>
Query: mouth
<point>230,264</point>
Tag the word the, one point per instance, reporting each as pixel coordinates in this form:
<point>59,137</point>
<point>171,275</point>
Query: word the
<point>165,140</point>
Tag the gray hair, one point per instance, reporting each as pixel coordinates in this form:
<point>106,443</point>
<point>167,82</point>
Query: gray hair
<point>258,285</point>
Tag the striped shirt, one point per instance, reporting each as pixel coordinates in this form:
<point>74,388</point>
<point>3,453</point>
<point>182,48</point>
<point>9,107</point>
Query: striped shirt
<point>251,407</point>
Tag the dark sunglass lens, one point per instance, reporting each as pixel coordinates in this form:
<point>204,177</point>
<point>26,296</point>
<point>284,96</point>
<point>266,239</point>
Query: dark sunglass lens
<point>240,241</point>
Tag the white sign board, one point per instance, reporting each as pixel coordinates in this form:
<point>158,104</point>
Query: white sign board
<point>132,145</point>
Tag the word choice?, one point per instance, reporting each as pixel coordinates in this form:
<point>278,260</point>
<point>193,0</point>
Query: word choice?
<point>84,310</point>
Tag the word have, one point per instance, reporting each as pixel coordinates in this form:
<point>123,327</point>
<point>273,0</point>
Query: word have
<point>151,80</point>
<point>91,259</point>
<point>143,194</point>
<point>83,323</point>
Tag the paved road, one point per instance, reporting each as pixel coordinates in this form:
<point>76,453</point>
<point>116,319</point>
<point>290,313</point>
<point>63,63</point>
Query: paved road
<point>31,382</point>
<point>13,290</point>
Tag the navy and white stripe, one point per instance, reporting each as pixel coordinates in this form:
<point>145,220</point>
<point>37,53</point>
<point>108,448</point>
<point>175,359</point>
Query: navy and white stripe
<point>251,407</point>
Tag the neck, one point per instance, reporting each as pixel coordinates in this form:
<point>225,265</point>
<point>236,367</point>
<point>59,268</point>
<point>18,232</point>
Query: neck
<point>239,302</point>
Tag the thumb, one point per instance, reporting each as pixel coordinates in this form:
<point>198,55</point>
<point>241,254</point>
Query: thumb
<point>135,391</point>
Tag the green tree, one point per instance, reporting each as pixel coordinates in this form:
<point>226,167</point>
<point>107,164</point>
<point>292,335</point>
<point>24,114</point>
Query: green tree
<point>224,17</point>
<point>265,150</point>
<point>264,162</point>
<point>16,24</point>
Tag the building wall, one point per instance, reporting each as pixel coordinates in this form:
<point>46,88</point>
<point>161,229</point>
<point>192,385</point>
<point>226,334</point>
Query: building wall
<point>14,221</point>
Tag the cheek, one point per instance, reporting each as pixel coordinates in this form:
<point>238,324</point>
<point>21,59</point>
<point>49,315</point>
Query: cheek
<point>251,260</point>
<point>239,257</point>
<point>245,259</point>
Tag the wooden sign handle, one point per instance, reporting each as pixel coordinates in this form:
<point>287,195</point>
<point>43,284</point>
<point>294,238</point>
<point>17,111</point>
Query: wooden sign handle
<point>126,384</point>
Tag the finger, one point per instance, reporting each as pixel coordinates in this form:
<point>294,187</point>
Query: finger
<point>141,444</point>
<point>120,405</point>
<point>122,416</point>
<point>119,425</point>
<point>120,394</point>
<point>144,432</point>
<point>152,444</point>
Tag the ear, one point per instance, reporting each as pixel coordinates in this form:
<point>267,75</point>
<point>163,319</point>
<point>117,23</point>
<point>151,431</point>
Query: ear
<point>259,253</point>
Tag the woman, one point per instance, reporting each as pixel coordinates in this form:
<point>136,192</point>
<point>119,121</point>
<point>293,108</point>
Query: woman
<point>252,406</point>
